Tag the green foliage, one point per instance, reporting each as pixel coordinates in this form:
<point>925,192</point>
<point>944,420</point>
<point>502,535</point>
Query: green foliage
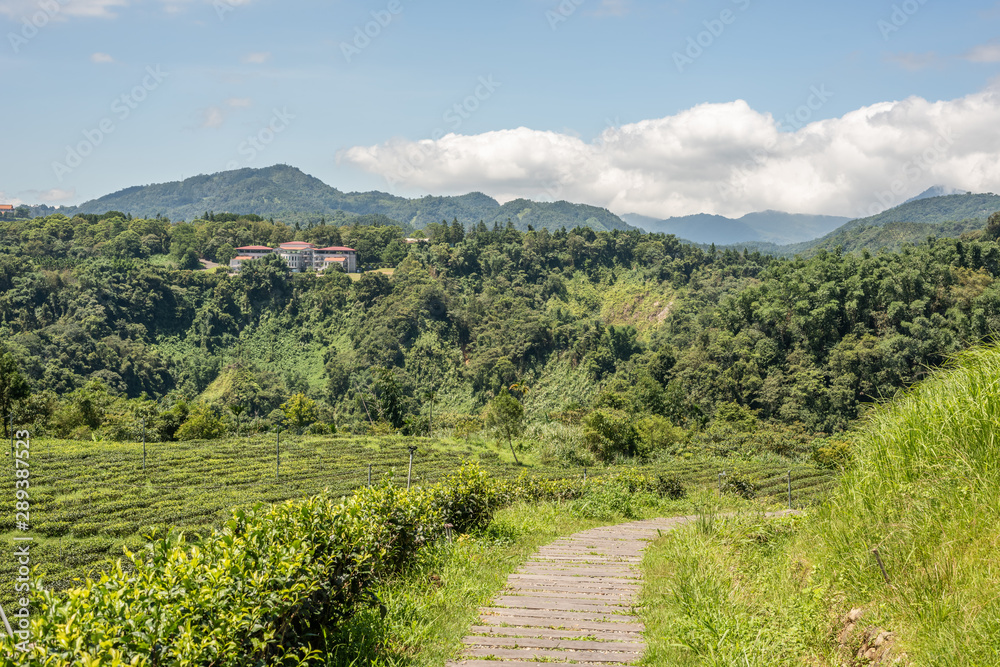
<point>300,411</point>
<point>505,416</point>
<point>203,423</point>
<point>611,434</point>
<point>670,486</point>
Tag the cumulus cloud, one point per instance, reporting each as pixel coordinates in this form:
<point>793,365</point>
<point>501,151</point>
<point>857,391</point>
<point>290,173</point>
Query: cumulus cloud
<point>101,58</point>
<point>726,158</point>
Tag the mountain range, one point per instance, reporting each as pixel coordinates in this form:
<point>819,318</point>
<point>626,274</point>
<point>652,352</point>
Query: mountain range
<point>284,192</point>
<point>764,227</point>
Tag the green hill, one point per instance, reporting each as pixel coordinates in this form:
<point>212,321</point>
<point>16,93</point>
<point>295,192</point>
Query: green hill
<point>939,217</point>
<point>288,194</point>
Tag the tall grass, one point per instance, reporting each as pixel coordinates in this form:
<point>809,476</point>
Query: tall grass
<point>924,489</point>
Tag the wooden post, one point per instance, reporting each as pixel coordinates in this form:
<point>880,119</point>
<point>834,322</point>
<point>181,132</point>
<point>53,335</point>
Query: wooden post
<point>277,452</point>
<point>878,559</point>
<point>789,489</point>
<point>369,474</point>
<point>144,444</point>
<point>409,472</point>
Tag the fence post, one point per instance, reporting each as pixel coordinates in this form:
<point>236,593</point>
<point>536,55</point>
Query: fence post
<point>11,416</point>
<point>369,474</point>
<point>584,475</point>
<point>409,472</point>
<point>144,444</point>
<point>277,452</point>
<point>789,489</point>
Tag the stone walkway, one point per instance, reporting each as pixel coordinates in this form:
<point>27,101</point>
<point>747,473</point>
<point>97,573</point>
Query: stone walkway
<point>571,603</point>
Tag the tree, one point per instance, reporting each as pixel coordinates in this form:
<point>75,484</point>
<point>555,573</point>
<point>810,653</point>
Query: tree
<point>224,254</point>
<point>189,261</point>
<point>13,386</point>
<point>506,416</point>
<point>203,423</point>
<point>300,411</point>
<point>390,397</point>
<point>993,227</point>
<point>430,397</point>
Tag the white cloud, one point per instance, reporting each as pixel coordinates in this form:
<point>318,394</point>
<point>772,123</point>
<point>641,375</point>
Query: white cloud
<point>213,117</point>
<point>239,102</point>
<point>984,53</point>
<point>53,196</point>
<point>915,61</point>
<point>20,9</point>
<point>717,158</point>
<point>258,58</point>
<point>101,58</point>
<point>612,8</point>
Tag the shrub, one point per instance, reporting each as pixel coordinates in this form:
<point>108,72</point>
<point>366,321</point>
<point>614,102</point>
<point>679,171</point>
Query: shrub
<point>670,486</point>
<point>610,434</point>
<point>203,423</point>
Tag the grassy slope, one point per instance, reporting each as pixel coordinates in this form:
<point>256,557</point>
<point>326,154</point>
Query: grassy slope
<point>924,489</point>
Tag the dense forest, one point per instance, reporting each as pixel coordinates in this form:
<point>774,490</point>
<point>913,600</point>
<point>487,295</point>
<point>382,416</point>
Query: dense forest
<point>106,322</point>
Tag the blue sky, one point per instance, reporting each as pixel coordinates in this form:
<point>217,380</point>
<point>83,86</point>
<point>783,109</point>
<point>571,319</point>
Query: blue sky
<point>600,101</point>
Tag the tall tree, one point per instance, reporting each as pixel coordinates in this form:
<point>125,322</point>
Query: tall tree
<point>506,416</point>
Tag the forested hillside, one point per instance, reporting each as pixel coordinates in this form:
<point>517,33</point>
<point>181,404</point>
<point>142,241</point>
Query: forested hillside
<point>285,192</point>
<point>102,327</point>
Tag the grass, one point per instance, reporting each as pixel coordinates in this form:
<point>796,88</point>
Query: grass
<point>711,597</point>
<point>923,489</point>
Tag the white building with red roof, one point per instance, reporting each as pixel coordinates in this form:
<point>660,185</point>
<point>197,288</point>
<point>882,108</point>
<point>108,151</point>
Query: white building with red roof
<point>301,256</point>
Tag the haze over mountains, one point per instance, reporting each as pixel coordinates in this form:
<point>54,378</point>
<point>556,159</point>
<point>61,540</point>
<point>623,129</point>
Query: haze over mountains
<point>765,227</point>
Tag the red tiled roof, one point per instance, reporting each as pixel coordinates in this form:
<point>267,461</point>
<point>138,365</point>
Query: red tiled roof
<point>255,247</point>
<point>6,207</point>
<point>335,259</point>
<point>337,248</point>
<point>244,258</point>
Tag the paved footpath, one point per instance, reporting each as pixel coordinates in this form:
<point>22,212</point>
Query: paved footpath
<point>572,602</point>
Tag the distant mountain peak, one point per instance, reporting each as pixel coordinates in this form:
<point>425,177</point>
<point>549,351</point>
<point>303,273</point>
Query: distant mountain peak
<point>937,191</point>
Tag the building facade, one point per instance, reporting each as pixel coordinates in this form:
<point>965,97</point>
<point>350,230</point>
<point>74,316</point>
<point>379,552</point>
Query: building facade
<point>301,256</point>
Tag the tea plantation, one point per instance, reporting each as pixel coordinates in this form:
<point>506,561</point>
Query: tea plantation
<point>91,499</point>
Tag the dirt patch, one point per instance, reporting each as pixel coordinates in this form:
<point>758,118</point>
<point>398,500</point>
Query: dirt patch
<point>867,646</point>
